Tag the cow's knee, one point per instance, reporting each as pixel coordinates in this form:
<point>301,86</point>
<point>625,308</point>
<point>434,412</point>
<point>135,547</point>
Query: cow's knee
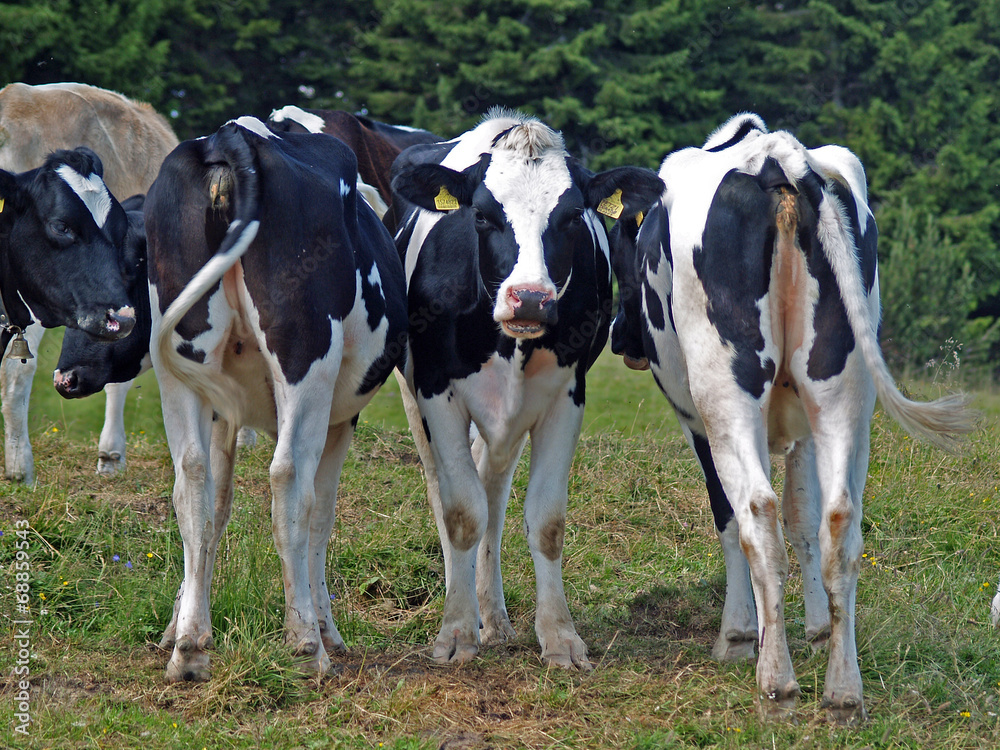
<point>465,525</point>
<point>548,538</point>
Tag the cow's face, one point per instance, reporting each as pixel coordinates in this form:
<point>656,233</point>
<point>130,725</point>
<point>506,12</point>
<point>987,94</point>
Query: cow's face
<point>61,240</point>
<point>87,364</point>
<point>628,259</point>
<point>533,209</point>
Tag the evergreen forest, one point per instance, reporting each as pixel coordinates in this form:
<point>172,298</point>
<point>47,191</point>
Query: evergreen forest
<point>910,86</point>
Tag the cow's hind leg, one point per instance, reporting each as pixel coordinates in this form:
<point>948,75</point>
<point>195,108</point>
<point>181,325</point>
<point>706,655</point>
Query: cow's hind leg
<point>800,510</point>
<point>15,390</point>
<point>338,441</point>
<point>740,454</point>
<point>738,634</point>
<point>188,424</point>
<point>111,446</point>
<point>553,443</point>
<point>222,458</point>
<point>841,467</point>
<point>496,477</point>
<point>303,423</point>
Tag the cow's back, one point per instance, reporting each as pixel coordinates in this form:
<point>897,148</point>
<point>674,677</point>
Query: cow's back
<point>131,138</point>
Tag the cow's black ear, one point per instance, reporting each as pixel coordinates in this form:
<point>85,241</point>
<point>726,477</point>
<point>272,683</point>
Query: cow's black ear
<point>91,159</point>
<point>81,160</point>
<point>435,187</point>
<point>623,191</point>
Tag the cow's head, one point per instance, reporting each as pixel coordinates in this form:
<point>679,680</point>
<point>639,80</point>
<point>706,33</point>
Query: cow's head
<point>61,239</point>
<point>86,363</point>
<point>533,208</point>
<point>626,259</point>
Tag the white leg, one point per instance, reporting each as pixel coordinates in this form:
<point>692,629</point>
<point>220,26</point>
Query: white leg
<point>553,443</point>
<point>842,476</point>
<point>495,626</point>
<point>111,446</point>
<point>15,387</point>
<point>427,461</point>
<point>800,510</point>
<point>338,441</point>
<point>461,514</point>
<point>739,449</point>
<point>738,634</point>
<point>303,423</point>
<point>223,460</point>
<point>188,424</point>
<point>995,608</point>
<point>247,438</point>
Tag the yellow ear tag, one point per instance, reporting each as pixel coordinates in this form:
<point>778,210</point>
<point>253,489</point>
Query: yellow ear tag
<point>1,205</point>
<point>638,218</point>
<point>612,205</point>
<point>445,201</point>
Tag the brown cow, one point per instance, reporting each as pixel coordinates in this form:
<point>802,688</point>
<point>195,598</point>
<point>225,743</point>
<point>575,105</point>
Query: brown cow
<point>132,140</point>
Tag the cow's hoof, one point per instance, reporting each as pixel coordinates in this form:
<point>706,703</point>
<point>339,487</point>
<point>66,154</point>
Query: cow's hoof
<point>189,663</point>
<point>20,474</point>
<point>846,712</point>
<point>313,658</point>
<point>571,653</point>
<point>455,648</point>
<point>332,642</point>
<point>818,640</point>
<point>735,645</point>
<point>496,630</point>
<point>109,464</point>
<point>169,637</point>
<point>779,704</point>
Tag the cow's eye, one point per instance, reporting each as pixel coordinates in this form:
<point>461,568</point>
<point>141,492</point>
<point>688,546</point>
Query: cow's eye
<point>575,219</point>
<point>482,222</point>
<point>61,231</point>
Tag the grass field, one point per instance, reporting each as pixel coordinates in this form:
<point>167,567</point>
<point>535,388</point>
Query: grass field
<point>644,579</point>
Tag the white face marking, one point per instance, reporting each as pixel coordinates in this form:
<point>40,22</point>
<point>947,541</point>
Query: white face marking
<point>528,192</point>
<point>312,123</point>
<point>254,126</point>
<point>345,189</point>
<point>91,190</point>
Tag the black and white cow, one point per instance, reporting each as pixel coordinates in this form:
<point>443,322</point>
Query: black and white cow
<point>277,301</point>
<point>509,286</point>
<point>751,291</point>
<point>131,140</point>
<point>62,239</point>
<point>374,143</point>
<point>86,365</point>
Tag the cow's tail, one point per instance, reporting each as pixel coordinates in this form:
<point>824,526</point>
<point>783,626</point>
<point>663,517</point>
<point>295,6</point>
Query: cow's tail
<point>941,422</point>
<point>230,151</point>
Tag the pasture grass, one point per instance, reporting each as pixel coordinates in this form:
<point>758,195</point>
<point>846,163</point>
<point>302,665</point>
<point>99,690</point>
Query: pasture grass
<point>643,572</point>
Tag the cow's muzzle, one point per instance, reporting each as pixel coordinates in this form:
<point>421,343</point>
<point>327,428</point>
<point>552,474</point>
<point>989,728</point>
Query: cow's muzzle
<point>532,311</point>
<point>110,324</point>
<point>67,384</point>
